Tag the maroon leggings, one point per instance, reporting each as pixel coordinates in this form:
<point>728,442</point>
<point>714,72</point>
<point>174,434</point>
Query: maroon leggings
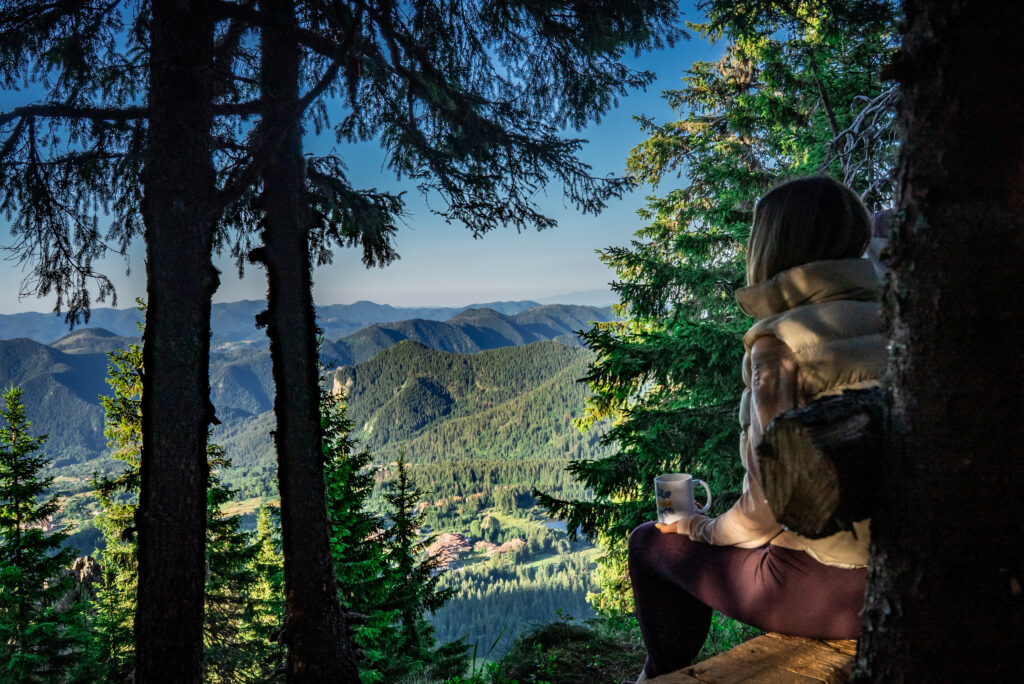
<point>677,582</point>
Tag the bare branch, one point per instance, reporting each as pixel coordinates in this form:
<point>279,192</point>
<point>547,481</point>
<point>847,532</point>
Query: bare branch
<point>55,110</point>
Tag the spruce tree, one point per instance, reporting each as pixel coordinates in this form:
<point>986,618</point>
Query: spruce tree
<point>114,643</point>
<point>667,376</point>
<point>381,576</point>
<point>38,641</point>
<point>358,546</point>
<point>416,590</point>
<point>237,646</point>
<point>268,591</point>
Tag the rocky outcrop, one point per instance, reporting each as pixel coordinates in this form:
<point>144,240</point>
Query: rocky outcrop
<point>86,574</point>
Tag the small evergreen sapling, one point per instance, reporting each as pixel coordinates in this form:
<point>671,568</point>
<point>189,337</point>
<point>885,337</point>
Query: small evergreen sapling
<point>417,590</point>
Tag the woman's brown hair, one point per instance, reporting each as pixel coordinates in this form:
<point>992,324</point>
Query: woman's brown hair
<point>803,220</point>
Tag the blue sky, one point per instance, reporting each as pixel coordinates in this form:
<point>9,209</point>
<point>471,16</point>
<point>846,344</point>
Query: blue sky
<point>442,264</point>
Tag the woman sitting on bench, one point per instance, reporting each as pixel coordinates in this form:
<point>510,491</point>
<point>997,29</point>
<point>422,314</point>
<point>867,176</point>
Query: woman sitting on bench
<point>819,331</point>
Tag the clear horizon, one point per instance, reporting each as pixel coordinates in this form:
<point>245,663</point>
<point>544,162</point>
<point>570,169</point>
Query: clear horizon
<point>563,298</point>
<point>441,264</point>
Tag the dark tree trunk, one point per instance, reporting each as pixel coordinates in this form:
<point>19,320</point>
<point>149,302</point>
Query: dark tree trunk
<point>176,411</point>
<point>314,629</point>
<point>944,599</point>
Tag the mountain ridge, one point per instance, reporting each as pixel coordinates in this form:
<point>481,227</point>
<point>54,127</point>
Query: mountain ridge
<point>235,321</point>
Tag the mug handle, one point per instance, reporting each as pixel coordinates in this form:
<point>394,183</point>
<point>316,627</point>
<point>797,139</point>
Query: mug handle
<point>707,490</point>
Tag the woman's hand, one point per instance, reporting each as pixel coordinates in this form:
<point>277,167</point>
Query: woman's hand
<point>681,526</point>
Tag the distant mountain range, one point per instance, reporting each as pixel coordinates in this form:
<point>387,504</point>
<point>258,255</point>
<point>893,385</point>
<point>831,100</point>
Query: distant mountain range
<point>63,379</point>
<point>234,321</point>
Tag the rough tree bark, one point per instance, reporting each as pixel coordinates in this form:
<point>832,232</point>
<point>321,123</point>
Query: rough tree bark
<point>944,600</point>
<point>314,629</point>
<point>178,189</point>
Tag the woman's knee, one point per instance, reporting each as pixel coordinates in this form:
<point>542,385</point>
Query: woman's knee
<point>642,536</point>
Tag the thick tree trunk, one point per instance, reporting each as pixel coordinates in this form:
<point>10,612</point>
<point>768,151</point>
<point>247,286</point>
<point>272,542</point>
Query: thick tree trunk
<point>314,629</point>
<point>176,411</point>
<point>944,600</point>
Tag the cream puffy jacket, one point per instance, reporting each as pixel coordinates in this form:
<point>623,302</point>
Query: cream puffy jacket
<point>819,331</point>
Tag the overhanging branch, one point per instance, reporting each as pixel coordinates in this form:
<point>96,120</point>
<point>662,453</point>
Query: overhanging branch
<point>265,140</point>
<point>55,110</point>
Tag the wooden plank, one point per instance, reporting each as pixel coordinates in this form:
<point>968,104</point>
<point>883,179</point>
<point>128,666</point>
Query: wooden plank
<point>772,659</point>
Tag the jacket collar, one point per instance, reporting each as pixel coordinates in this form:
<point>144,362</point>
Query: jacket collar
<point>817,281</point>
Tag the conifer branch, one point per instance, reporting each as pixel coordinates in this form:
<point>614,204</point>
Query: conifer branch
<point>265,142</point>
<point>55,110</point>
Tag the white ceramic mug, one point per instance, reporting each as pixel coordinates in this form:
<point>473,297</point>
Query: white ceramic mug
<point>674,492</point>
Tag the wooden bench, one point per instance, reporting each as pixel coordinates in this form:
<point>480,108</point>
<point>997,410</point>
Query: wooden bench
<point>772,659</point>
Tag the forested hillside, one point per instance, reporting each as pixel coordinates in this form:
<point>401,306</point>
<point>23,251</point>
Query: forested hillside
<point>61,390</point>
<point>511,406</point>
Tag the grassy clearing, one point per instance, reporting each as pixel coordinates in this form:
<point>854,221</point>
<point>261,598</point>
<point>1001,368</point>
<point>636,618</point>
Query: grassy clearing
<point>247,506</point>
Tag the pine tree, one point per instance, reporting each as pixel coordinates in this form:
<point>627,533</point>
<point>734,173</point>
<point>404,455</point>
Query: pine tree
<point>268,591</point>
<point>667,376</point>
<point>38,640</point>
<point>380,577</point>
<point>114,645</point>
<point>416,589</point>
<point>236,643</point>
<point>358,546</point>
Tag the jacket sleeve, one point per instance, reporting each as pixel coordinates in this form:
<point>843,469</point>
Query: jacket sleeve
<point>774,389</point>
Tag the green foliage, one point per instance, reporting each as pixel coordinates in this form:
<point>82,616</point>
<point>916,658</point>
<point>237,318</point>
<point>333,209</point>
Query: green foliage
<point>725,633</point>
<point>269,566</point>
<point>60,391</point>
<point>607,649</point>
<point>497,599</point>
<point>383,572</point>
<point>572,653</point>
<point>114,607</point>
<point>514,403</point>
<point>417,576</point>
<point>62,381</point>
<point>358,545</point>
<point>238,607</point>
<point>793,77</point>
<point>39,638</point>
